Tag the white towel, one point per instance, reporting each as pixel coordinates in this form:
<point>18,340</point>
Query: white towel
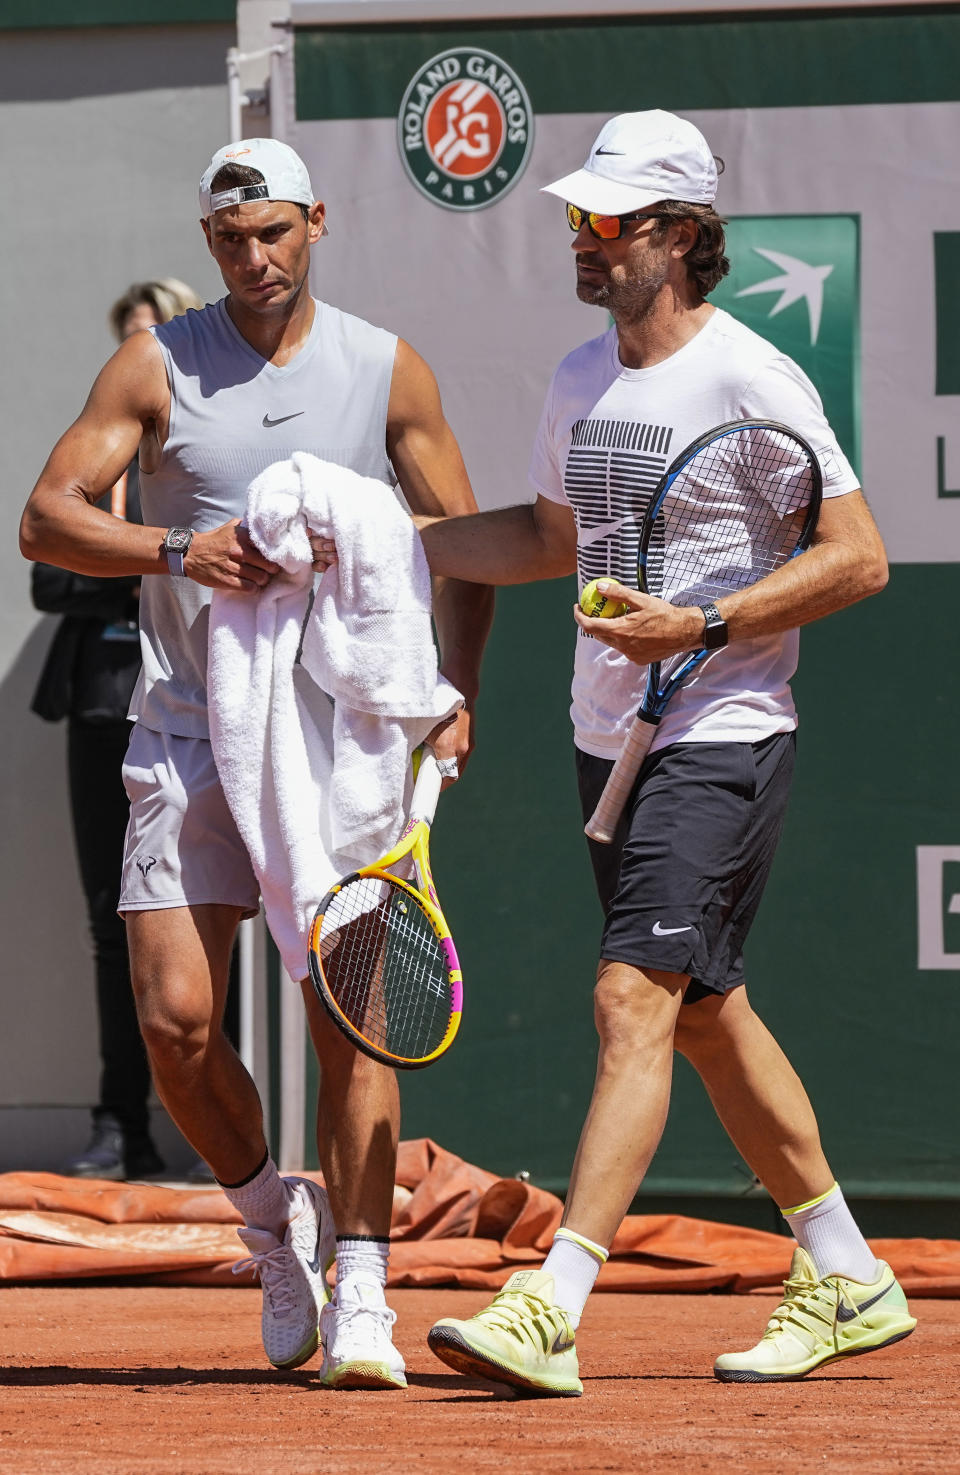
<point>314,756</point>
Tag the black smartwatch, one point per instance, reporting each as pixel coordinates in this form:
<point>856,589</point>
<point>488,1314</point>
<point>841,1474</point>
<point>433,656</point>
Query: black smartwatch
<point>175,545</point>
<point>714,628</point>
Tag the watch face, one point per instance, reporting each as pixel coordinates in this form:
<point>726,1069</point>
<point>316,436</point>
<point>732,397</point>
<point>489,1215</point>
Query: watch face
<point>178,540</point>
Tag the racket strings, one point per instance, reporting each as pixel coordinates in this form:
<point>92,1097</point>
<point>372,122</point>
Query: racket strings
<point>734,513</point>
<point>385,967</point>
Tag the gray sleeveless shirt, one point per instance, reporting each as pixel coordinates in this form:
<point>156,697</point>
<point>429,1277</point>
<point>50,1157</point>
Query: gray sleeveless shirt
<point>232,414</point>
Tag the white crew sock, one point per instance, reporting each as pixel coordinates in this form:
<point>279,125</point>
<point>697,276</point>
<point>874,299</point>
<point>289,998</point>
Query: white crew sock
<point>265,1200</point>
<point>363,1254</point>
<point>574,1262</point>
<point>828,1232</point>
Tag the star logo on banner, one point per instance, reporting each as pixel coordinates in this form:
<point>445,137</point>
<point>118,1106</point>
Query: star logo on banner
<point>799,282</point>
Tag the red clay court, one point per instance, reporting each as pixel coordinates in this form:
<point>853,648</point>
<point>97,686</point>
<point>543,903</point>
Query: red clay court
<point>115,1379</point>
<point>102,1372</point>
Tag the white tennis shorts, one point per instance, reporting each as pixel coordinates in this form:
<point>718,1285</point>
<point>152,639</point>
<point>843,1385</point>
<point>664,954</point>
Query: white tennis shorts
<point>182,846</point>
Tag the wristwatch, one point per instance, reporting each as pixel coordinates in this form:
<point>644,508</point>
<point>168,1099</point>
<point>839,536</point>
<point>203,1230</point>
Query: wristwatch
<point>175,545</point>
<point>714,628</point>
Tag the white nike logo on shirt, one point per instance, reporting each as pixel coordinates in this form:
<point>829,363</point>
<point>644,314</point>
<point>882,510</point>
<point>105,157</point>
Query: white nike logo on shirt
<point>659,931</point>
<point>587,536</point>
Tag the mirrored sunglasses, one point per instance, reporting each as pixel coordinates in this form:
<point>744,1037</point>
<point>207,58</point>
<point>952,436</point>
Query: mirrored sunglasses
<point>604,227</point>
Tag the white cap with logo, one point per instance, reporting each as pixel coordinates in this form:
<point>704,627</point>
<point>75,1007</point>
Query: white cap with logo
<point>284,173</point>
<point>638,159</point>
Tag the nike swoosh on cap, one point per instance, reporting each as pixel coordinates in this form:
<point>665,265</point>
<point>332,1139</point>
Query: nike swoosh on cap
<point>847,1313</point>
<point>659,931</point>
<point>611,153</point>
<point>268,424</point>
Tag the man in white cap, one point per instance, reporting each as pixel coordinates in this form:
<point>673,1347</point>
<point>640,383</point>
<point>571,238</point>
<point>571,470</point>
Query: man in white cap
<point>683,878</point>
<point>209,400</point>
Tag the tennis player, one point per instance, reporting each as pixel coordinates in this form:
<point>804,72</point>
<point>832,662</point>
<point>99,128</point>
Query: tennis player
<point>682,881</point>
<point>209,400</point>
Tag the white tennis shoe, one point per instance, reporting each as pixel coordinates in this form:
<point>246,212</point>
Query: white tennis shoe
<point>356,1328</point>
<point>293,1274</point>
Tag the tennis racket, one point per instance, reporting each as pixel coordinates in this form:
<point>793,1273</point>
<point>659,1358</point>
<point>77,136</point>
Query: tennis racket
<point>381,956</point>
<point>737,504</point>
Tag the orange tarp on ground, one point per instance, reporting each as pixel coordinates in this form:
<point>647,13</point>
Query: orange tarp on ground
<point>453,1224</point>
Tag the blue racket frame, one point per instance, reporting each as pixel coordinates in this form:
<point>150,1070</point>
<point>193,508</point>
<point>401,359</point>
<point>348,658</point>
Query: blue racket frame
<point>602,824</point>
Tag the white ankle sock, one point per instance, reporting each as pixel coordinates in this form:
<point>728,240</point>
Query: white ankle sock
<point>363,1254</point>
<point>574,1262</point>
<point>828,1232</point>
<point>264,1200</point>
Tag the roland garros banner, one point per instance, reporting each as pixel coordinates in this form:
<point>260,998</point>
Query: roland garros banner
<point>839,140</point>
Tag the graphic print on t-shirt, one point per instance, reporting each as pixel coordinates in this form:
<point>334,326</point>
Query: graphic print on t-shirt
<point>612,468</point>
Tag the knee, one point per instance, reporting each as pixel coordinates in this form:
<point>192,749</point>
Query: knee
<point>176,1035</point>
<point>632,1010</point>
<point>614,1003</point>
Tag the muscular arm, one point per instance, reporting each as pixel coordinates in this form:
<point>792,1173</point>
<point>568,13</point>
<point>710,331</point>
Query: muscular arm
<point>128,404</point>
<point>434,480</point>
<point>845,563</point>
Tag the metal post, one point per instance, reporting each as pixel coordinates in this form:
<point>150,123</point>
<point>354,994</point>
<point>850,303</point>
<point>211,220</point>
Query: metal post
<point>234,96</point>
<point>237,99</point>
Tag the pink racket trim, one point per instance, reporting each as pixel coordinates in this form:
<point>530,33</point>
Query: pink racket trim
<point>603,822</point>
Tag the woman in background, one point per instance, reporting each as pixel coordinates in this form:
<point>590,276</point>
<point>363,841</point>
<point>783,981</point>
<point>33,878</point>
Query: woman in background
<point>88,677</point>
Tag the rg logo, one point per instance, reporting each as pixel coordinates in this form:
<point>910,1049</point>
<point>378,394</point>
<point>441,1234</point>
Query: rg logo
<point>465,129</point>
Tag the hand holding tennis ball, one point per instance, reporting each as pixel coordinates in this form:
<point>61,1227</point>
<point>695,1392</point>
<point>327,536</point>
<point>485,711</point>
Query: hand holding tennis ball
<point>599,606</point>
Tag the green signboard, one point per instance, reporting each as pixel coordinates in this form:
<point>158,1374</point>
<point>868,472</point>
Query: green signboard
<point>795,280</point>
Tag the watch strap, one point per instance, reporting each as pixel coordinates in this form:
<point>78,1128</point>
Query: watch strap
<point>175,546</point>
<point>714,628</point>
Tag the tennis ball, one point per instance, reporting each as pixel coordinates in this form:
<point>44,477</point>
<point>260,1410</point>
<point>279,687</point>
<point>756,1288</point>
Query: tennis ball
<point>599,606</point>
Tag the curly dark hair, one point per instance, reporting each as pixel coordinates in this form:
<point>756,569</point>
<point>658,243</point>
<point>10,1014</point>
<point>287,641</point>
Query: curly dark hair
<point>706,263</point>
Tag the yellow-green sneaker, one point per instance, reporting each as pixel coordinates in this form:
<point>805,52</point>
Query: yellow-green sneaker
<point>818,1320</point>
<point>521,1338</point>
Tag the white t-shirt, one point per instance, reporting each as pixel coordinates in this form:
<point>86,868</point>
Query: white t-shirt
<point>605,438</point>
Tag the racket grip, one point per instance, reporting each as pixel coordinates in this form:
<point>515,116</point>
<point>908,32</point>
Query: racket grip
<point>603,821</point>
<point>426,790</point>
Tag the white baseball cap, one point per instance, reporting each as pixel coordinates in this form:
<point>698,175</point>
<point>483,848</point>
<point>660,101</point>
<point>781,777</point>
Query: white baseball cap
<point>638,159</point>
<point>284,173</point>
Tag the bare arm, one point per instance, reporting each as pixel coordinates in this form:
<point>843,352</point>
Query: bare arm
<point>128,405</point>
<point>845,563</point>
<point>510,545</point>
<point>434,480</point>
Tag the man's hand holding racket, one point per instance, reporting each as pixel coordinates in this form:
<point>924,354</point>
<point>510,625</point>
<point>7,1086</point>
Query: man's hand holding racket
<point>452,742</point>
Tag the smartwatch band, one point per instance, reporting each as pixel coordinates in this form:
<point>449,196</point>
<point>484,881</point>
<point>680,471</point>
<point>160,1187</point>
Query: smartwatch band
<point>714,628</point>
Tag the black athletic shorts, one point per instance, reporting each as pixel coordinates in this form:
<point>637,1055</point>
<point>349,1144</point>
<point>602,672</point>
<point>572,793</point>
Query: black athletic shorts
<point>682,880</point>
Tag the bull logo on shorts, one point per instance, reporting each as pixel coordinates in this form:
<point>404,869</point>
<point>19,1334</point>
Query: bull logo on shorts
<point>465,128</point>
<point>146,863</point>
